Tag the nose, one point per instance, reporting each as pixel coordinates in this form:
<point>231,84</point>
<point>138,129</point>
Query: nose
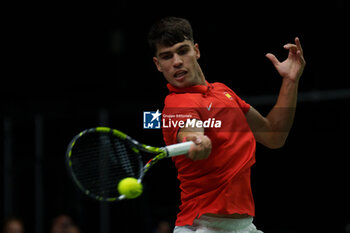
<point>177,61</point>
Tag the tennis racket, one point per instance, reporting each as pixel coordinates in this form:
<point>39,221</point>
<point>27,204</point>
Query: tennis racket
<point>98,158</point>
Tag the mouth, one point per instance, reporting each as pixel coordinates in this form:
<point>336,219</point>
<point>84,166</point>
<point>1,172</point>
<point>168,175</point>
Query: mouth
<point>180,75</point>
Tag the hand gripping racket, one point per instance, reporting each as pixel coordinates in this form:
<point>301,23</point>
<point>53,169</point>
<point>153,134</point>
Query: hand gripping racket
<point>98,158</point>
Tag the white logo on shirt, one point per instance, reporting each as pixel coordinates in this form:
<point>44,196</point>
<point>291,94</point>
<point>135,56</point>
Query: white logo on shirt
<point>209,107</point>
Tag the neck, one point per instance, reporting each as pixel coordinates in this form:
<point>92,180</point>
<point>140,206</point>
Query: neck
<point>200,79</point>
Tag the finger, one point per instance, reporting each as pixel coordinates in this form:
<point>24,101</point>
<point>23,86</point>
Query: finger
<point>291,47</point>
<point>301,57</point>
<point>197,140</point>
<point>272,58</point>
<point>298,44</point>
<point>191,151</point>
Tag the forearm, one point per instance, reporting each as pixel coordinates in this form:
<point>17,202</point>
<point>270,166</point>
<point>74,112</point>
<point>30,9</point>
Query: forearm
<point>281,116</point>
<point>272,130</point>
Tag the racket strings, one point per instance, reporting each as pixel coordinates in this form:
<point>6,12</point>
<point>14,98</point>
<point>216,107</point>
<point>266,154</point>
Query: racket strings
<point>119,146</point>
<point>100,161</point>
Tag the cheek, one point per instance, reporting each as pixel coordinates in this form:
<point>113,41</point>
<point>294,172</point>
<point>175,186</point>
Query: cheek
<point>165,67</point>
<point>191,62</point>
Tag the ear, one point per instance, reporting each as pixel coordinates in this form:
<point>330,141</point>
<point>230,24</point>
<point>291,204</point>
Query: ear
<point>196,49</point>
<point>156,62</point>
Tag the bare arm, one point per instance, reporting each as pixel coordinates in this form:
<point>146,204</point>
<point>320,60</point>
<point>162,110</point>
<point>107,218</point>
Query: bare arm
<point>272,130</point>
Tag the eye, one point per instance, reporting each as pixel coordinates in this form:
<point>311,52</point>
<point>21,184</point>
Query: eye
<point>166,56</point>
<point>183,51</point>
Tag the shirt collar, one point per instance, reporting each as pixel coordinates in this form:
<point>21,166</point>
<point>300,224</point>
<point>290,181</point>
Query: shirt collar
<point>192,89</point>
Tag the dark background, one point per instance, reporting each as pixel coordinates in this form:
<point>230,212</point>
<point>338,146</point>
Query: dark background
<point>67,67</point>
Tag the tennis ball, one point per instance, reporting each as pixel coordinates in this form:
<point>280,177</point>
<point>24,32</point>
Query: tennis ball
<point>130,187</point>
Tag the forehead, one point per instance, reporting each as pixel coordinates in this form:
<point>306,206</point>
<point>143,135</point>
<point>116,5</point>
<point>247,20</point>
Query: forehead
<point>161,48</point>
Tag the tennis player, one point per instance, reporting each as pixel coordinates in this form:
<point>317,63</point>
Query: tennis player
<point>214,176</point>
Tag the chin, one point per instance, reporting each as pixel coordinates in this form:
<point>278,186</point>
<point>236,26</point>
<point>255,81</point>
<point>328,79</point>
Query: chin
<point>181,84</point>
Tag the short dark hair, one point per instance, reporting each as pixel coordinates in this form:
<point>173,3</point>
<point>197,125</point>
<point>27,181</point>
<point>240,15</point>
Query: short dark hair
<point>169,31</point>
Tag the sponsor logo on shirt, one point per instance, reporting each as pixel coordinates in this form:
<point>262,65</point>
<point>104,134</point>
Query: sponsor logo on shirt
<point>228,95</point>
<point>209,107</point>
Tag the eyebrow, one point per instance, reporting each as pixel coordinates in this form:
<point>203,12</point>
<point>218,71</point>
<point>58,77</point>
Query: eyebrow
<point>179,48</point>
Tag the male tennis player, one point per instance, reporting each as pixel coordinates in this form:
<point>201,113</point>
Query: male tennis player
<point>214,176</point>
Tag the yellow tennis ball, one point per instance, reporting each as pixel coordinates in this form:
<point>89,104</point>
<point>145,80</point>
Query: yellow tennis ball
<point>130,187</point>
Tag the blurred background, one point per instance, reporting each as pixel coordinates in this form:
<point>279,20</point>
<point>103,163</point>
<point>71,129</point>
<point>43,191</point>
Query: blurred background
<point>72,66</point>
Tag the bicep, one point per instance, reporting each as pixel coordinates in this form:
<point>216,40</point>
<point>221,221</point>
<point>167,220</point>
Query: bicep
<point>259,125</point>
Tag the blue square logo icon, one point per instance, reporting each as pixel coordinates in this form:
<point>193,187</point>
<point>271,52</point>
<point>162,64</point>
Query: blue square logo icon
<point>151,119</point>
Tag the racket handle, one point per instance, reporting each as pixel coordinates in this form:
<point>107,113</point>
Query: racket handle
<point>179,149</point>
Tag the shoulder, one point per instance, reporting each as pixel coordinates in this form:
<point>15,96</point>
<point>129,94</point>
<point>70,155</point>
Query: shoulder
<point>220,87</point>
<point>230,94</point>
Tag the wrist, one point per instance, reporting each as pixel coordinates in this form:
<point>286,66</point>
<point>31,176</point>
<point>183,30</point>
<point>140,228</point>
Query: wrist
<point>290,84</point>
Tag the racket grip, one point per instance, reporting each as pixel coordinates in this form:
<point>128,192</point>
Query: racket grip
<point>179,149</point>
